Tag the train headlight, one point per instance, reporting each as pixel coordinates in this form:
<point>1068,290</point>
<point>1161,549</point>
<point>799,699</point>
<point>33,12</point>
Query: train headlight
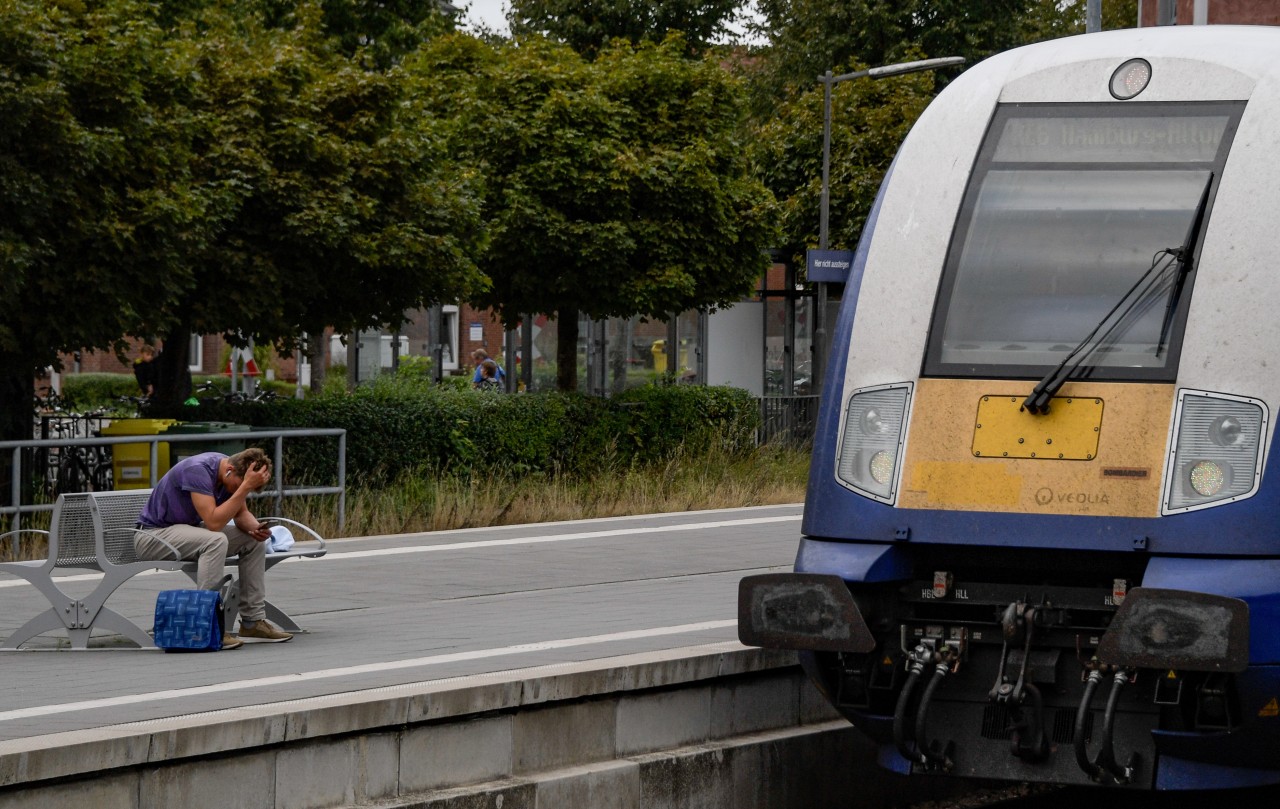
<point>1215,454</point>
<point>1207,478</point>
<point>1130,79</point>
<point>1225,431</point>
<point>871,448</point>
<point>882,466</point>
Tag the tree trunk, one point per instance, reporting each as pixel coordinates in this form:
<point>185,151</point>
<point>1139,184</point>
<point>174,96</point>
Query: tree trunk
<point>567,349</point>
<point>173,373</point>
<point>316,355</point>
<point>17,392</point>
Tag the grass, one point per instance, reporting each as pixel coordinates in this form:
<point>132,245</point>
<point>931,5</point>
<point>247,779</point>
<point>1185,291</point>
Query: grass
<point>424,502</point>
<point>413,503</point>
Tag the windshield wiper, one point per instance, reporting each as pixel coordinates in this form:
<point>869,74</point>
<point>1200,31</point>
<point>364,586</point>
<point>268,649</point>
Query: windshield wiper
<point>1186,257</point>
<point>1038,400</point>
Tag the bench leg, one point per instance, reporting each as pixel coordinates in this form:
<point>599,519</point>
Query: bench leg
<point>274,614</point>
<point>114,621</point>
<point>46,621</point>
<point>281,619</point>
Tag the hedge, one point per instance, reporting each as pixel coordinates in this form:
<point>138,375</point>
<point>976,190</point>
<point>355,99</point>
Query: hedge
<point>397,425</point>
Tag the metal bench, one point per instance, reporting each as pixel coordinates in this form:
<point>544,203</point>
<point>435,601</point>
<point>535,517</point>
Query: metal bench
<point>94,531</point>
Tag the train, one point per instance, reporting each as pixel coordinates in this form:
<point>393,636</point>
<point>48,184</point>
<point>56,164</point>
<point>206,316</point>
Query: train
<point>1041,534</point>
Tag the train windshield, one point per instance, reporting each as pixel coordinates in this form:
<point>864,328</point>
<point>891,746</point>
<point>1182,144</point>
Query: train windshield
<point>1068,206</point>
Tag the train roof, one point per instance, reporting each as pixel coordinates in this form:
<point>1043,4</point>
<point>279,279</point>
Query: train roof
<point>1247,50</point>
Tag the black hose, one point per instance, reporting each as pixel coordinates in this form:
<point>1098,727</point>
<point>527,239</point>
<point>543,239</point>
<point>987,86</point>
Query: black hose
<point>1107,755</point>
<point>1082,715</point>
<point>922,715</point>
<point>900,718</point>
<point>1038,746</point>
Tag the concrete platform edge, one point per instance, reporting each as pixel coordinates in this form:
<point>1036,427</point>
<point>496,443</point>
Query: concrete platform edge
<point>90,753</point>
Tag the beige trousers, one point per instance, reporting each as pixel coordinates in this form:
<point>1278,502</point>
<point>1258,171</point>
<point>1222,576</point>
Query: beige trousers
<point>211,549</point>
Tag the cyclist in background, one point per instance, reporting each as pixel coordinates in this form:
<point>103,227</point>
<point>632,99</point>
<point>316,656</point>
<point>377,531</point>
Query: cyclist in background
<point>145,369</point>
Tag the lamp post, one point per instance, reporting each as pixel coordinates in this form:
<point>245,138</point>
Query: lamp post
<point>819,315</point>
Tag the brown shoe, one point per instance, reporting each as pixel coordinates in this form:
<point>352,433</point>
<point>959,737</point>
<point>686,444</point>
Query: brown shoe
<point>263,632</point>
<point>231,642</point>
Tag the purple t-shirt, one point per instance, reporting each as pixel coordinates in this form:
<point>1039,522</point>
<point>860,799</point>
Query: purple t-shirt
<point>170,502</point>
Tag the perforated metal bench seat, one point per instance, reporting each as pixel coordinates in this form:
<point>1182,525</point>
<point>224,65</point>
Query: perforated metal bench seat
<point>94,531</point>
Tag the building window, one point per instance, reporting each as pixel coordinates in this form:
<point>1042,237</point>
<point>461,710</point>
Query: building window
<point>195,353</point>
<point>449,336</point>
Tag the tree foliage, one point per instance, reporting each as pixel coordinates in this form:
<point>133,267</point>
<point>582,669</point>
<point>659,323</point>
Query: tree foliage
<point>869,120</point>
<point>340,206</point>
<point>808,37</point>
<point>100,209</point>
<point>616,187</point>
<point>587,25</point>
<point>870,117</point>
<point>192,167</point>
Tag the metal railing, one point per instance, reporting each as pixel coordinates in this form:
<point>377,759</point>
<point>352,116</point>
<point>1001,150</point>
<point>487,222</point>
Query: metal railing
<point>790,420</point>
<point>16,478</point>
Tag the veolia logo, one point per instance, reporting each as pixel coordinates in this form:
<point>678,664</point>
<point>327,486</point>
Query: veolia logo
<point>1047,497</point>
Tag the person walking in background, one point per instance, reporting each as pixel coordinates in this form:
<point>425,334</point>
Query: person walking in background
<point>145,370</point>
<point>489,377</point>
<point>480,357</point>
<point>199,510</point>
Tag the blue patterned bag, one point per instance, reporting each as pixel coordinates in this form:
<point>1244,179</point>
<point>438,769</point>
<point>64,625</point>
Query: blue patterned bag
<point>189,621</point>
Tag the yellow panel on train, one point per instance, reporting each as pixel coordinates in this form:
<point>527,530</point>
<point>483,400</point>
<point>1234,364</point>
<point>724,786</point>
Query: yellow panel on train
<point>1109,466</point>
<point>1069,431</point>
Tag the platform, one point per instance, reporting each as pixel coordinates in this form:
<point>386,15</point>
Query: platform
<point>411,628</point>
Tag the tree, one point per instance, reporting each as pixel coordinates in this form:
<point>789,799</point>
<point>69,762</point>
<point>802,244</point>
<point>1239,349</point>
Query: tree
<point>587,25</point>
<point>99,208</point>
<point>808,37</point>
<point>384,31</point>
<point>616,188</point>
<point>338,205</point>
<point>870,118</point>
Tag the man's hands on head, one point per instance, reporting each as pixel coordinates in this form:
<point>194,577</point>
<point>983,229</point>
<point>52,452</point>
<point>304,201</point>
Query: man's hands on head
<point>256,476</point>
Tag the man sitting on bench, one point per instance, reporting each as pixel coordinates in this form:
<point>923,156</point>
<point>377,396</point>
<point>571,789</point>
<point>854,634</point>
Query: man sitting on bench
<point>200,508</point>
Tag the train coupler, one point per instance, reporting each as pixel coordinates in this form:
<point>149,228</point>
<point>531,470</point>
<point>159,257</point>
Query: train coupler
<point>1028,740</point>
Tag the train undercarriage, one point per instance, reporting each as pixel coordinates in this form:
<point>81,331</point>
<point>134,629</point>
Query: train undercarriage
<point>973,666</point>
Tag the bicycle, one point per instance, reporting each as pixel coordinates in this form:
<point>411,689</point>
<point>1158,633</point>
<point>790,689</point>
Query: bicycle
<point>234,397</point>
<point>77,468</point>
<point>135,404</point>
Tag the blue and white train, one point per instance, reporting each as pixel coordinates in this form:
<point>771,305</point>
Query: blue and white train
<point>1042,530</point>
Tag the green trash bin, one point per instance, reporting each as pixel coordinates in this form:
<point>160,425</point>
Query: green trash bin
<point>188,448</point>
<point>131,463</point>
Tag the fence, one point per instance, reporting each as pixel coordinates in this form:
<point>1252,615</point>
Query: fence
<point>788,419</point>
<point>37,449</point>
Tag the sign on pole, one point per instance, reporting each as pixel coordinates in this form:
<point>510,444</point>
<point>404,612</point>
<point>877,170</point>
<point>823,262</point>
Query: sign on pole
<point>828,266</point>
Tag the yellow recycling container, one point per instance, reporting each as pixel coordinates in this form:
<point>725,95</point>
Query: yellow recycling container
<point>660,356</point>
<point>131,463</point>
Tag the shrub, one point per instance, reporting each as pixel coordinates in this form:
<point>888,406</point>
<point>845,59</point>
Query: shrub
<point>402,424</point>
<point>83,392</point>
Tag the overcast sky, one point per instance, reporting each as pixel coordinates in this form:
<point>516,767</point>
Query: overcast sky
<point>491,12</point>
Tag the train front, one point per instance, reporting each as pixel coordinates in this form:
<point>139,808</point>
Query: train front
<point>1041,528</point>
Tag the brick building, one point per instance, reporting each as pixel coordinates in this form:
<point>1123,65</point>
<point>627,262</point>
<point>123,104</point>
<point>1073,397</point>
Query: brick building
<point>1219,12</point>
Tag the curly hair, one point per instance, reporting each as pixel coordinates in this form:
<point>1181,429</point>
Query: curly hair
<point>242,461</point>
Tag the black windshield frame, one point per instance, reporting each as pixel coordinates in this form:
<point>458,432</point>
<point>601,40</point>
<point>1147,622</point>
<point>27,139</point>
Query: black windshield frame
<point>986,164</point>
